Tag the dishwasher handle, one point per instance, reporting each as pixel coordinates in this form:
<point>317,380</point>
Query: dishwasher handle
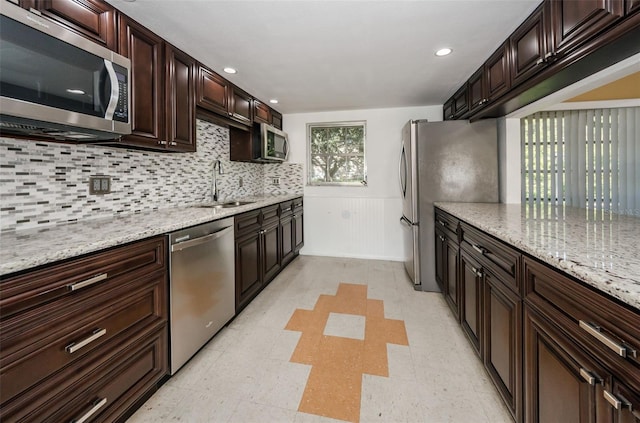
<point>197,241</point>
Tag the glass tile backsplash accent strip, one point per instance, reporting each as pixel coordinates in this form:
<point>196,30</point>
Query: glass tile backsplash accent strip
<point>43,184</point>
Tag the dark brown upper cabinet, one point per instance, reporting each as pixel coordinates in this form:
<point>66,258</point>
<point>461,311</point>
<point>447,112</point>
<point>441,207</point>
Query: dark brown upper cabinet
<point>447,110</point>
<point>181,106</point>
<point>92,19</point>
<point>497,77</point>
<point>276,119</point>
<point>575,22</point>
<point>528,45</point>
<point>261,112</point>
<point>162,91</point>
<point>633,6</point>
<point>213,91</point>
<point>240,105</point>
<point>220,96</point>
<point>461,101</point>
<point>477,95</point>
<point>146,52</point>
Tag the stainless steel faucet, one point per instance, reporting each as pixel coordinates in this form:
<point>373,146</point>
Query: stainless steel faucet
<point>214,182</point>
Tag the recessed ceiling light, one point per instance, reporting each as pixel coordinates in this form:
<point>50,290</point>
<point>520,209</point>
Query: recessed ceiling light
<point>230,70</point>
<point>74,91</point>
<point>443,52</point>
<point>273,101</point>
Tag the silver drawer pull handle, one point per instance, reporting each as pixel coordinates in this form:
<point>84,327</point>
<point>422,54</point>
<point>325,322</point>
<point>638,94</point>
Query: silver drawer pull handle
<point>75,346</point>
<point>90,281</point>
<point>594,331</point>
<point>617,401</point>
<point>442,223</point>
<point>477,272</point>
<point>478,248</point>
<point>441,238</point>
<point>613,400</point>
<point>589,377</point>
<point>97,405</point>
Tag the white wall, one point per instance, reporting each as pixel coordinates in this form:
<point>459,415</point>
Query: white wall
<point>509,148</point>
<point>360,222</point>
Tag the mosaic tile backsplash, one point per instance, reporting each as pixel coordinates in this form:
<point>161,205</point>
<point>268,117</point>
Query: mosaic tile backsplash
<point>43,184</point>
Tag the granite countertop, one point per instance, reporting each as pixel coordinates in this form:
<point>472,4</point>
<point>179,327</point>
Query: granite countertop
<point>599,248</point>
<point>20,250</point>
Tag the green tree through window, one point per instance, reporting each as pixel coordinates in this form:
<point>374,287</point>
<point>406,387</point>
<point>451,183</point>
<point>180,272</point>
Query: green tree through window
<point>336,153</point>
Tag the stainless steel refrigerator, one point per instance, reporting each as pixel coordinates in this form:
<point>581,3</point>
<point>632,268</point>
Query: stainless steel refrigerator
<point>442,161</point>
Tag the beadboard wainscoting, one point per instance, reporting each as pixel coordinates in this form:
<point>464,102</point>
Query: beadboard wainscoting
<point>353,227</point>
<point>43,184</point>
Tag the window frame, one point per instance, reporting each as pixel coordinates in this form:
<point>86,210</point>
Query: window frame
<point>338,124</point>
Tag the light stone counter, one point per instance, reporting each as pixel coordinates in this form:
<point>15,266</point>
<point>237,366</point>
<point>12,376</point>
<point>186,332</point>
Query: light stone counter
<point>20,250</point>
<point>598,248</point>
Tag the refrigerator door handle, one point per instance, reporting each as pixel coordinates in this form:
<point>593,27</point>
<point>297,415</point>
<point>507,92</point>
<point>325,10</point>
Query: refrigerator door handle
<point>406,221</point>
<point>402,171</point>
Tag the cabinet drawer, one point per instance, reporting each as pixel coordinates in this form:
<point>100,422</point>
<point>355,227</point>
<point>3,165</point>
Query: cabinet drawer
<point>86,275</point>
<point>599,323</point>
<point>120,379</point>
<point>270,215</point>
<point>447,223</point>
<point>246,223</point>
<point>286,208</point>
<point>500,258</point>
<point>49,338</point>
<point>297,205</point>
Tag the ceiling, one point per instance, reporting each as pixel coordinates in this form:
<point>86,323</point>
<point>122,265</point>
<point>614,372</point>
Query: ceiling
<point>337,55</point>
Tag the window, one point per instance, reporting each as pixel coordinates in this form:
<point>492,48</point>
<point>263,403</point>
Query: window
<point>582,158</point>
<point>336,153</point>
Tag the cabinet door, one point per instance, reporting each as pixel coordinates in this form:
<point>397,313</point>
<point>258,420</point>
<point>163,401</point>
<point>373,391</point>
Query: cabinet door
<point>261,112</point>
<point>460,101</point>
<point>213,91</point>
<point>562,384</point>
<point>248,277</point>
<point>575,22</point>
<point>241,105</point>
<point>496,73</point>
<point>528,45</point>
<point>471,281</point>
<point>181,107</point>
<point>477,96</point>
<point>441,260</point>
<point>287,235</point>
<point>93,19</point>
<point>625,403</point>
<point>298,224</point>
<point>633,6</point>
<point>145,50</point>
<point>503,342</point>
<point>276,119</point>
<point>271,252</point>
<point>447,110</point>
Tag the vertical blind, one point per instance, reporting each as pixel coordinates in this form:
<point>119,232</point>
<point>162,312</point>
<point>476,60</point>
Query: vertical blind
<point>583,158</point>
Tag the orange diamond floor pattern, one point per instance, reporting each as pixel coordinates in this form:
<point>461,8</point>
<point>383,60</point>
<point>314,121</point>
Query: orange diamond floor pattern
<point>335,382</point>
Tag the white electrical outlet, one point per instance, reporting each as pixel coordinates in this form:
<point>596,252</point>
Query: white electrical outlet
<point>275,181</point>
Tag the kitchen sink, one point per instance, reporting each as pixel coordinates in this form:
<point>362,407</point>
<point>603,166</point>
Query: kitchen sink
<point>227,205</point>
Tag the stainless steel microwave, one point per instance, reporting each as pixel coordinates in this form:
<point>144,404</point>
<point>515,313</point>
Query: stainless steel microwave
<point>57,84</point>
<point>274,143</point>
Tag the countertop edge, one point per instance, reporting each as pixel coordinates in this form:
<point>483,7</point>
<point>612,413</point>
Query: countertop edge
<point>10,267</point>
<point>588,276</point>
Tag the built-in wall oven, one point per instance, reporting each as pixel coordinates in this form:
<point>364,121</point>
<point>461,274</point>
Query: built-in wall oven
<point>57,84</point>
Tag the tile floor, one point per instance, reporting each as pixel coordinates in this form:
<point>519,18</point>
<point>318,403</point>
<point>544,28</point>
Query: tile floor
<point>244,374</point>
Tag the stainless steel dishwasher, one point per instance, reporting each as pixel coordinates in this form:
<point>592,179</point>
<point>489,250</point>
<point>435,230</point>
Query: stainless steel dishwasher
<point>202,286</point>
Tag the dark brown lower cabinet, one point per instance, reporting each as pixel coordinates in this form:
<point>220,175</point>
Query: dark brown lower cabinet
<point>471,282</point>
<point>85,339</point>
<point>271,251</point>
<point>503,341</point>
<point>248,268</point>
<point>562,383</point>
<point>447,269</point>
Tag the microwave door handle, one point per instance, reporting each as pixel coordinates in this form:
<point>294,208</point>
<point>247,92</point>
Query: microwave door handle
<point>286,149</point>
<point>115,90</point>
